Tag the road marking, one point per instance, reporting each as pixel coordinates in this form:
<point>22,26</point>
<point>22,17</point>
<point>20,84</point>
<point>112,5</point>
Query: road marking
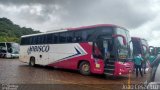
<point>129,81</point>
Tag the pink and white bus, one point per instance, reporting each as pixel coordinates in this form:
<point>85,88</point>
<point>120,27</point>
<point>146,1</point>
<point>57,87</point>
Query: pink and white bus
<point>97,49</point>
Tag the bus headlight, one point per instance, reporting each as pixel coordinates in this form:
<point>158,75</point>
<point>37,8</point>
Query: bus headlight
<point>120,62</point>
<point>120,73</point>
<point>97,65</point>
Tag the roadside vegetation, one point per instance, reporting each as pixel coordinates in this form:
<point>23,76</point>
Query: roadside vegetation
<point>10,32</point>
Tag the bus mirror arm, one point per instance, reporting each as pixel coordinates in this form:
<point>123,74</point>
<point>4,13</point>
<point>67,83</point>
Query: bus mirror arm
<point>146,47</point>
<point>118,35</point>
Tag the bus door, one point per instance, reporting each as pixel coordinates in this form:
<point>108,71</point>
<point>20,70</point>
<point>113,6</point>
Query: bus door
<point>102,48</point>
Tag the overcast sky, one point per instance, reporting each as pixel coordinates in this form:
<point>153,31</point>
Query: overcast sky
<point>141,17</point>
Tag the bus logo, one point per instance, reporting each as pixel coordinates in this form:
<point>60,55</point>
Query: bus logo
<point>39,48</point>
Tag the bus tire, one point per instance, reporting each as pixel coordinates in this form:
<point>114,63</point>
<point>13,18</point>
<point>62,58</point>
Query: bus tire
<point>84,68</point>
<point>32,62</point>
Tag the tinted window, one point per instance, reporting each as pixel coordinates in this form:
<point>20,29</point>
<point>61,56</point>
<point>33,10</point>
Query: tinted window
<point>39,40</point>
<point>62,37</point>
<point>78,36</point>
<point>99,32</point>
<point>35,40</point>
<point>27,41</point>
<point>55,38</point>
<point>69,37</point>
<point>22,41</point>
<point>32,41</point>
<point>49,38</point>
<point>84,35</point>
<point>44,39</point>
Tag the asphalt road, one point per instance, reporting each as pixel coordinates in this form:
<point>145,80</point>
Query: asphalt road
<point>17,75</point>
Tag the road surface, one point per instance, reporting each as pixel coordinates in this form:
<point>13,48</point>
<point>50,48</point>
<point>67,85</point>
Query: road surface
<point>17,75</point>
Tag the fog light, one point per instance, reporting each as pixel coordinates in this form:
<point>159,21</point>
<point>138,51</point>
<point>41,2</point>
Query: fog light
<point>97,65</point>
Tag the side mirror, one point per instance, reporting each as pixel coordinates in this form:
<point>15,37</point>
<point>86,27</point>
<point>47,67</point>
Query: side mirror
<point>118,35</point>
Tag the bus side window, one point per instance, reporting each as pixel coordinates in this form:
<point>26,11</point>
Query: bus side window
<point>27,41</point>
<point>78,36</point>
<point>84,36</point>
<point>49,39</point>
<point>62,37</point>
<point>55,38</point>
<point>69,37</point>
<point>38,39</point>
<point>44,39</point>
<point>32,41</point>
<point>22,41</point>
<point>90,35</point>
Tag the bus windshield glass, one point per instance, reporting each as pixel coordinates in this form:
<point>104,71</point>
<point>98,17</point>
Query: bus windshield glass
<point>13,48</point>
<point>122,48</point>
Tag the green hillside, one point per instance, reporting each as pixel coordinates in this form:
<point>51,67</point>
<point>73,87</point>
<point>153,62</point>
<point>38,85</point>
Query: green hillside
<point>10,32</point>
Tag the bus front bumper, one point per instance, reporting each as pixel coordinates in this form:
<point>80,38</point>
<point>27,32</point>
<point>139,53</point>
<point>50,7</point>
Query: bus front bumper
<point>123,68</point>
<point>9,55</point>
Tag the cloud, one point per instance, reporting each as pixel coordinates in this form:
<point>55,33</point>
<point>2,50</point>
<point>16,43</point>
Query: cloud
<point>149,31</point>
<point>135,15</point>
<point>76,13</point>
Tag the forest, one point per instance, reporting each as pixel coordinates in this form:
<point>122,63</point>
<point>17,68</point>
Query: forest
<point>10,32</point>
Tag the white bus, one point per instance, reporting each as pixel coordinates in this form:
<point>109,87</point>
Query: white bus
<point>99,49</point>
<point>9,50</point>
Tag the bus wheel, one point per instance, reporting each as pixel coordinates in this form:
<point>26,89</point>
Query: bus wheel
<point>32,62</point>
<point>84,68</point>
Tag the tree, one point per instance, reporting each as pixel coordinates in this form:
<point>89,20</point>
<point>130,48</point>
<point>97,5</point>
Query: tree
<point>10,32</point>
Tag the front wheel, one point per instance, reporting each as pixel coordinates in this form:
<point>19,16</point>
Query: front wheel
<point>84,68</point>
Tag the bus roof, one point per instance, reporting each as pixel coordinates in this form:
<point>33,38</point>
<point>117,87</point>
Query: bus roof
<point>54,31</point>
<point>70,29</point>
<point>93,26</point>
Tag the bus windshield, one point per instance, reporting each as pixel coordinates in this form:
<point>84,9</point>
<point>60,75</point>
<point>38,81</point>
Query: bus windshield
<point>13,48</point>
<point>122,48</point>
